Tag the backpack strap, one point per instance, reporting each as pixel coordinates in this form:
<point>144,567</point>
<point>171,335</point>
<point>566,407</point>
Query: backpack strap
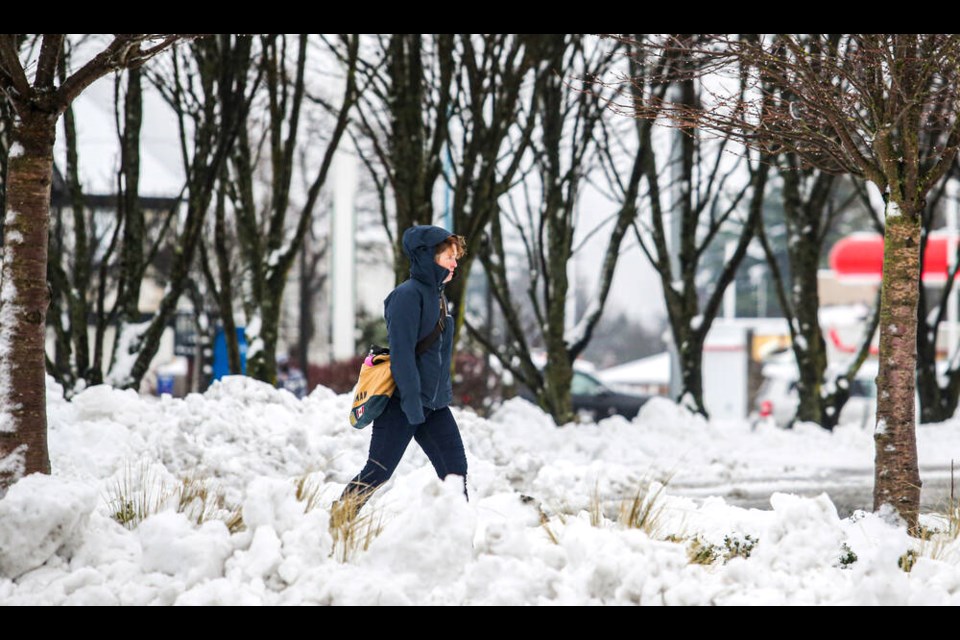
<point>427,342</point>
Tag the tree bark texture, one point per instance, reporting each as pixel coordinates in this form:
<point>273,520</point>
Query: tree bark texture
<point>897,480</point>
<point>24,299</point>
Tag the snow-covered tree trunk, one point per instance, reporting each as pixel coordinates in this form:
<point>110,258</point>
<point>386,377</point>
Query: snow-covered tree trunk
<point>691,371</point>
<point>689,322</point>
<point>897,481</point>
<point>491,75</point>
<point>24,299</point>
<point>262,337</point>
<point>803,248</point>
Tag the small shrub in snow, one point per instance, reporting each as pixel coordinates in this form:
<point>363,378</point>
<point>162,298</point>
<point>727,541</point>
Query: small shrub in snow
<point>847,556</point>
<point>907,560</point>
<point>738,548</point>
<point>700,552</point>
<point>924,533</point>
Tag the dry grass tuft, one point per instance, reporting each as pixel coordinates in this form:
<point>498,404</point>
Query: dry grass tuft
<point>352,532</point>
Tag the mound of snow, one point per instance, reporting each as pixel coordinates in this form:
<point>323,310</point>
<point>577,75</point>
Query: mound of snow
<point>39,515</point>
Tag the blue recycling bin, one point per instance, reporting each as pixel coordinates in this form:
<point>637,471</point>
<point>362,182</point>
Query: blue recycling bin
<point>221,364</point>
<point>165,384</point>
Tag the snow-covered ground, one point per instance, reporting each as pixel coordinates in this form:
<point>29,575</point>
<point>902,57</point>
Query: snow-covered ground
<point>541,526</point>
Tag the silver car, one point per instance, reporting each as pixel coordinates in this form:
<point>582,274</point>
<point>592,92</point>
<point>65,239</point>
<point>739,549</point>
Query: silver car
<point>778,398</point>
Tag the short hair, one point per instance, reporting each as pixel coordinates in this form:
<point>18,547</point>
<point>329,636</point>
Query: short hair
<point>458,243</point>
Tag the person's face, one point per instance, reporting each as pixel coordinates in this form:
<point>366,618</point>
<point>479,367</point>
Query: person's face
<point>448,260</point>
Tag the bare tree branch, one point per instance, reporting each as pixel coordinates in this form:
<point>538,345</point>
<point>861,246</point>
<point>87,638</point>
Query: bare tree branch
<point>47,64</point>
<point>10,64</point>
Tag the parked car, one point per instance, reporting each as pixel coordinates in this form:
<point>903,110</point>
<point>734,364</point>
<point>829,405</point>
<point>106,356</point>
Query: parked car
<point>592,400</point>
<point>778,397</point>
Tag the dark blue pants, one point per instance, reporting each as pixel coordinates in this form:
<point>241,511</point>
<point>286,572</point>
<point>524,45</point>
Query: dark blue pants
<point>438,436</point>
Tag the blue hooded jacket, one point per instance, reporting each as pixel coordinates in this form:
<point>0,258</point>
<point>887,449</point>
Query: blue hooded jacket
<point>412,311</point>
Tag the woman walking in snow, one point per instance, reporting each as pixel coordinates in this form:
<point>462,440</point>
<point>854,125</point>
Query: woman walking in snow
<point>418,409</point>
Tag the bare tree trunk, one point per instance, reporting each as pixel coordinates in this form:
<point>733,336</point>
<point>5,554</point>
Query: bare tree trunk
<point>218,108</point>
<point>689,323</point>
<point>24,299</point>
<point>809,218</point>
<point>495,123</point>
<point>690,326</point>
<point>897,474</point>
<point>249,235</point>
<point>834,401</point>
<point>413,191</point>
<point>313,277</point>
<point>222,291</point>
<point>60,368</point>
<point>571,133</point>
<point>556,223</point>
<point>128,201</point>
<point>129,214</point>
<point>305,324</point>
<point>67,291</point>
<point>226,298</point>
<point>226,291</point>
<point>422,85</point>
<point>6,129</point>
<point>937,402</point>
<point>803,247</point>
<point>69,268</point>
<point>273,256</point>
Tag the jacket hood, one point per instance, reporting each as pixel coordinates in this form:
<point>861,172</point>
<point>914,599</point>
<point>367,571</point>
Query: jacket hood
<point>420,243</point>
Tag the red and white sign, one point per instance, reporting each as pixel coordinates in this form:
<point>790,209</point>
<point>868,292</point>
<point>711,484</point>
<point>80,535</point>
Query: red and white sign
<point>860,257</point>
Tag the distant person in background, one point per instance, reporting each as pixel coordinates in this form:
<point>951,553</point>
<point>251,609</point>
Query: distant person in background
<point>290,377</point>
<point>419,408</point>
